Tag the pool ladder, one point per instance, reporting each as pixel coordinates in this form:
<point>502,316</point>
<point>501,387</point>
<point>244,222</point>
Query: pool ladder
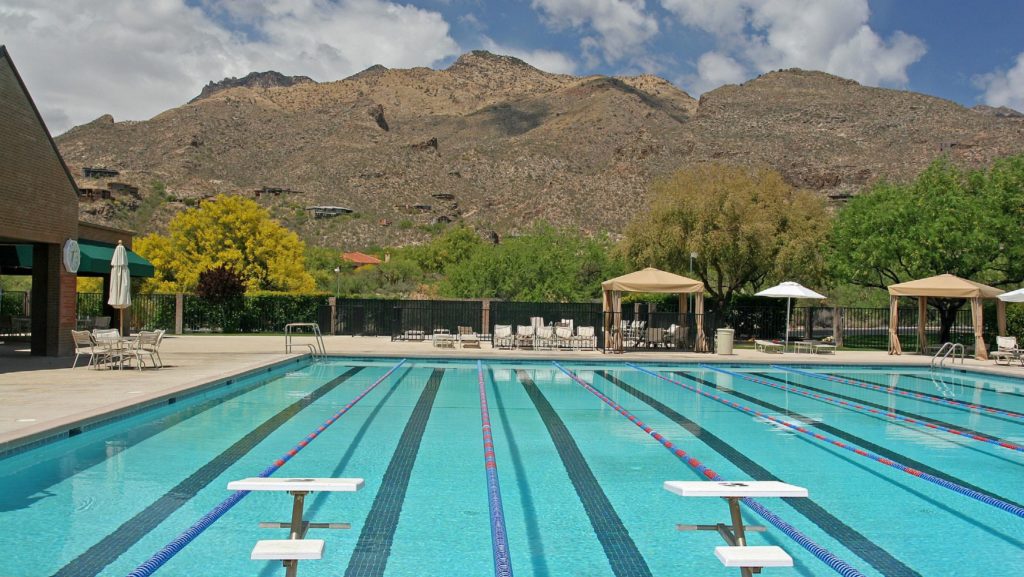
<point>946,351</point>
<point>316,348</point>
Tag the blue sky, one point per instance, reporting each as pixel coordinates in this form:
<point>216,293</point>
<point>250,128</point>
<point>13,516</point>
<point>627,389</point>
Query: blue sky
<point>133,59</point>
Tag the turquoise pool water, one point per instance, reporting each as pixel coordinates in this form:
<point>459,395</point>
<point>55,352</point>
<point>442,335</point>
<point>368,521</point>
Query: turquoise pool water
<point>580,483</point>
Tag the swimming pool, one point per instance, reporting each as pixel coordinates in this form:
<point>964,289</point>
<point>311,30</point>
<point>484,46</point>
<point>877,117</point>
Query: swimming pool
<point>910,472</point>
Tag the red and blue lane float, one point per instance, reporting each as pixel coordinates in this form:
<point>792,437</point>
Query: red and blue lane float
<point>913,395</point>
<point>966,491</point>
<point>871,410</point>
<point>823,554</point>
<point>499,536</point>
<point>174,547</point>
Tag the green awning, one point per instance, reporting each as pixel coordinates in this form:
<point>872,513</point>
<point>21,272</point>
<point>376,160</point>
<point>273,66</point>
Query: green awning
<point>96,257</point>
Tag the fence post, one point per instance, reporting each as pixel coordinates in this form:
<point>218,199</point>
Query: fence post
<point>809,324</point>
<point>26,303</point>
<point>837,326</point>
<point>333,301</point>
<point>485,316</point>
<point>179,313</point>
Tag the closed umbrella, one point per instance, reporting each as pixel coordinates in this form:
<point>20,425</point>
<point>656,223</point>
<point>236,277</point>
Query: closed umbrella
<point>120,282</point>
<point>1016,296</point>
<point>789,290</point>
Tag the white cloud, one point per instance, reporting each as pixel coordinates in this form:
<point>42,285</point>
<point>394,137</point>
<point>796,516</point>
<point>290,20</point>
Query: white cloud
<point>84,58</point>
<point>1005,88</point>
<point>546,60</point>
<point>715,69</point>
<point>829,35</point>
<point>619,28</point>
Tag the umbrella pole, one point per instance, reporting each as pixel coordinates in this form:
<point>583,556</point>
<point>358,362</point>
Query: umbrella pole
<point>787,323</point>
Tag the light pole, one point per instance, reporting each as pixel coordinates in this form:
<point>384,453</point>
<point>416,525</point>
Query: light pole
<point>337,281</point>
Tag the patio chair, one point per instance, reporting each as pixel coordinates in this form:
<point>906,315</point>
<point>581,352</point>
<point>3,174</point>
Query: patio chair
<point>544,338</point>
<point>524,336</point>
<point>101,323</point>
<point>85,345</point>
<point>468,338</point>
<point>585,338</point>
<point>1006,351</point>
<point>149,344</point>
<point>564,338</point>
<point>503,338</point>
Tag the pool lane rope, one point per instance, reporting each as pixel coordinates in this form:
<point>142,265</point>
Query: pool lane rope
<point>966,491</point>
<point>499,536</point>
<point>914,395</point>
<point>873,411</point>
<point>174,547</point>
<point>824,555</point>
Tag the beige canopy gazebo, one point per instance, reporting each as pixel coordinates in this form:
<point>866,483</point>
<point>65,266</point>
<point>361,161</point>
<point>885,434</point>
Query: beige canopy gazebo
<point>650,280</point>
<point>943,286</point>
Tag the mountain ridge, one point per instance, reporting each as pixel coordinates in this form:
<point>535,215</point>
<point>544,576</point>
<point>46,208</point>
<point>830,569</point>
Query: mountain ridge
<point>504,144</point>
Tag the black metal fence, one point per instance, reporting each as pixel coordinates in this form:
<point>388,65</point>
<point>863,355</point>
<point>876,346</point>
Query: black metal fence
<point>862,328</point>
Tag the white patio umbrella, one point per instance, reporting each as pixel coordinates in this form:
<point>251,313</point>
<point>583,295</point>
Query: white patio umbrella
<point>120,283</point>
<point>1016,296</point>
<point>789,290</point>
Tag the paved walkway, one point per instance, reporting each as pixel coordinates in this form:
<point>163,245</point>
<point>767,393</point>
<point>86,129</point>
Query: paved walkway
<point>40,396</point>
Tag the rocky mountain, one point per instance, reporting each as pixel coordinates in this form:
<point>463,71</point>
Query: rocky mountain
<point>497,144</point>
<point>269,79</point>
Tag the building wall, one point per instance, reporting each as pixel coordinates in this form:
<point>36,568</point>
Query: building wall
<point>38,202</point>
<point>38,205</point>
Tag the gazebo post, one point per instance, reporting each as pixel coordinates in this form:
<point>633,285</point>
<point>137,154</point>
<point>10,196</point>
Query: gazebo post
<point>894,321</point>
<point>1001,316</point>
<point>683,332</point>
<point>922,325</point>
<point>980,352</point>
<point>701,346</point>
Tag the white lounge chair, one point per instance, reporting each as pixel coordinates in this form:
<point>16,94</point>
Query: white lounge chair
<point>503,337</point>
<point>768,346</point>
<point>1006,351</point>
<point>525,336</point>
<point>585,338</point>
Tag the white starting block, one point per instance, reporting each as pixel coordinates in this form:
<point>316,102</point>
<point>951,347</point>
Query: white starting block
<point>288,550</point>
<point>759,556</point>
<point>296,548</point>
<point>750,560</point>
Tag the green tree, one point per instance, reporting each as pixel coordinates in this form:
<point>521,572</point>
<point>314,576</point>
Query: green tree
<point>454,246</point>
<point>545,264</point>
<point>229,231</point>
<point>966,223</point>
<point>746,226</point>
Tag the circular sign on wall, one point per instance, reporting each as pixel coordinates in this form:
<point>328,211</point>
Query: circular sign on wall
<point>72,256</point>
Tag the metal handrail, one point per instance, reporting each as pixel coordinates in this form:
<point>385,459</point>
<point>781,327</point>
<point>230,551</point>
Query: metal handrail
<point>946,351</point>
<point>316,348</point>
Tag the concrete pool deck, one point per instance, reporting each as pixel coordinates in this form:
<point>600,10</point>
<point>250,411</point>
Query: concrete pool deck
<point>43,396</point>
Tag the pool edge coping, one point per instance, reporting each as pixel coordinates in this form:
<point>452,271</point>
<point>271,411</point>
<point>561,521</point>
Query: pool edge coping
<point>28,438</point>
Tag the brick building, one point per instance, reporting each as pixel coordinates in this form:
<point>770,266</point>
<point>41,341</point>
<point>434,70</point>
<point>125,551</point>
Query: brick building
<point>39,216</point>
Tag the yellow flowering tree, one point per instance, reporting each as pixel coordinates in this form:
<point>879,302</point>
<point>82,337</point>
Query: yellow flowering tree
<point>229,231</point>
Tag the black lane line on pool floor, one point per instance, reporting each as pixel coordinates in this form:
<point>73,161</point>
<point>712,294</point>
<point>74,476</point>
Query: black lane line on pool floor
<point>623,555</point>
<point>370,557</point>
<point>852,439</point>
<point>967,385</point>
<point>97,557</point>
<point>928,398</point>
<point>962,441</point>
<point>18,495</point>
<point>860,545</point>
<point>274,567</point>
<point>538,559</point>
